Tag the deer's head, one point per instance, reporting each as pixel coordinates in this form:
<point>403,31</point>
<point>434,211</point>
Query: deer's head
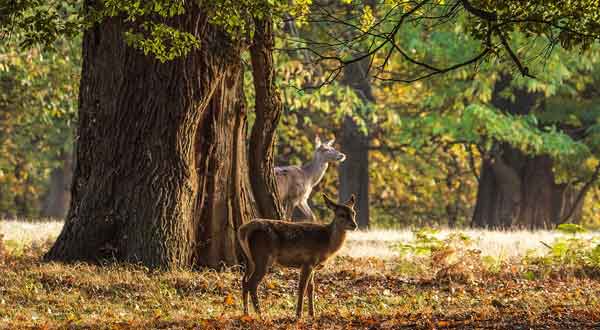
<point>326,153</point>
<point>344,213</point>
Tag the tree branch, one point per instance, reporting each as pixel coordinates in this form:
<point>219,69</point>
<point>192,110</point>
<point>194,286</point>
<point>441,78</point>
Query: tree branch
<point>581,194</point>
<point>485,15</point>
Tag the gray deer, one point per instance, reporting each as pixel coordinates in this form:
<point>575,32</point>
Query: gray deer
<point>295,183</point>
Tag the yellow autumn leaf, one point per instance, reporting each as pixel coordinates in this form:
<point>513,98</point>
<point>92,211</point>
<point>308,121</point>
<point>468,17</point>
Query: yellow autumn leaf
<point>229,300</point>
<point>591,162</point>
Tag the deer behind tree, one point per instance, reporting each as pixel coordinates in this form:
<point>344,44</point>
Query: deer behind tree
<point>295,183</point>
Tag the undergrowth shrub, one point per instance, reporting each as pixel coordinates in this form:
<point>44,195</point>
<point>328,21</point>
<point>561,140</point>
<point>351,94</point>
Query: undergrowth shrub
<point>569,254</point>
<point>450,258</point>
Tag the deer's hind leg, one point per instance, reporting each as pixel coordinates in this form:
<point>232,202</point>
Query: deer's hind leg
<point>260,248</point>
<point>288,209</point>
<point>305,209</point>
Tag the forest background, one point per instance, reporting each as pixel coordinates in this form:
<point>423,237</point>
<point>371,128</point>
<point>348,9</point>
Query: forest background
<point>418,153</point>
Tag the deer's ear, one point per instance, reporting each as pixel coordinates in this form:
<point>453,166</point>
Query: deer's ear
<point>351,201</point>
<point>330,204</point>
<point>330,142</point>
<point>317,142</point>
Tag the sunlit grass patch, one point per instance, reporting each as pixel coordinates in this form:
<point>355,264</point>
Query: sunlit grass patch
<point>372,243</point>
<point>20,233</point>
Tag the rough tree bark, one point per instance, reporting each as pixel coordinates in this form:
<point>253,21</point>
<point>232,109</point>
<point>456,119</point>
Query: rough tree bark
<point>516,190</point>
<point>268,111</point>
<point>354,171</point>
<point>161,175</point>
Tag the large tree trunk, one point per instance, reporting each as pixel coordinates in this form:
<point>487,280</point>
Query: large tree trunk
<point>354,171</point>
<point>56,201</point>
<point>160,176</point>
<point>516,190</point>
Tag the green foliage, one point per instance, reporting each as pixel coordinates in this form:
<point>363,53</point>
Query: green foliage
<point>151,36</point>
<point>480,124</point>
<point>581,18</point>
<point>236,16</point>
<point>153,27</point>
<point>162,41</point>
<point>38,101</point>
<point>40,22</point>
<point>570,228</point>
<point>423,122</point>
<point>427,242</point>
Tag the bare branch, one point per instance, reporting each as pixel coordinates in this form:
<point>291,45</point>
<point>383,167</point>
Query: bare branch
<point>523,69</point>
<point>485,15</point>
<point>581,194</point>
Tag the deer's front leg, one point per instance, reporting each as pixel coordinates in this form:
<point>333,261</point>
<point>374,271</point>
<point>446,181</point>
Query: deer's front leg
<point>311,295</point>
<point>305,275</point>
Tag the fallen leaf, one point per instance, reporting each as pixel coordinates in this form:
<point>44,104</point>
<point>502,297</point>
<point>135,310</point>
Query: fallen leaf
<point>229,300</point>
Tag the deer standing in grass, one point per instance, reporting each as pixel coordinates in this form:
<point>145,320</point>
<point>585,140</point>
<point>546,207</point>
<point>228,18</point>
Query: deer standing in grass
<point>301,245</point>
<point>295,183</point>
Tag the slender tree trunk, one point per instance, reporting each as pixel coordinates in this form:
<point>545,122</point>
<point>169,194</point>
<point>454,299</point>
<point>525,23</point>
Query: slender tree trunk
<point>516,190</point>
<point>268,111</point>
<point>160,176</point>
<point>354,171</point>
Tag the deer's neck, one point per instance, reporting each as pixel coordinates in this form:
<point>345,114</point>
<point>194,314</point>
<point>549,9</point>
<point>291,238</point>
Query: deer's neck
<point>314,170</point>
<point>337,236</point>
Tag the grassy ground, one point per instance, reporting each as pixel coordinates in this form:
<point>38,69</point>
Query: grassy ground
<point>374,243</point>
<point>454,287</point>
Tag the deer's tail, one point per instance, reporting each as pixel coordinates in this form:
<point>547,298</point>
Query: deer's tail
<point>243,233</point>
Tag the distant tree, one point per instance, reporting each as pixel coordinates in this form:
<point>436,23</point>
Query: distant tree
<point>37,118</point>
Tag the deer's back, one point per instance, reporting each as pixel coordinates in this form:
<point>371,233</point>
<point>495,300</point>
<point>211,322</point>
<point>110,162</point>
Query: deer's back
<point>292,244</point>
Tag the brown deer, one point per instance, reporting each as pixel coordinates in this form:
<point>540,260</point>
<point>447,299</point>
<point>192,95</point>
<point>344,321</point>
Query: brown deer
<point>301,245</point>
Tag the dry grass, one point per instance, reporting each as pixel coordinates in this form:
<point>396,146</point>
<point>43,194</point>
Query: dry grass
<point>361,293</point>
<point>374,243</point>
<point>494,243</point>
